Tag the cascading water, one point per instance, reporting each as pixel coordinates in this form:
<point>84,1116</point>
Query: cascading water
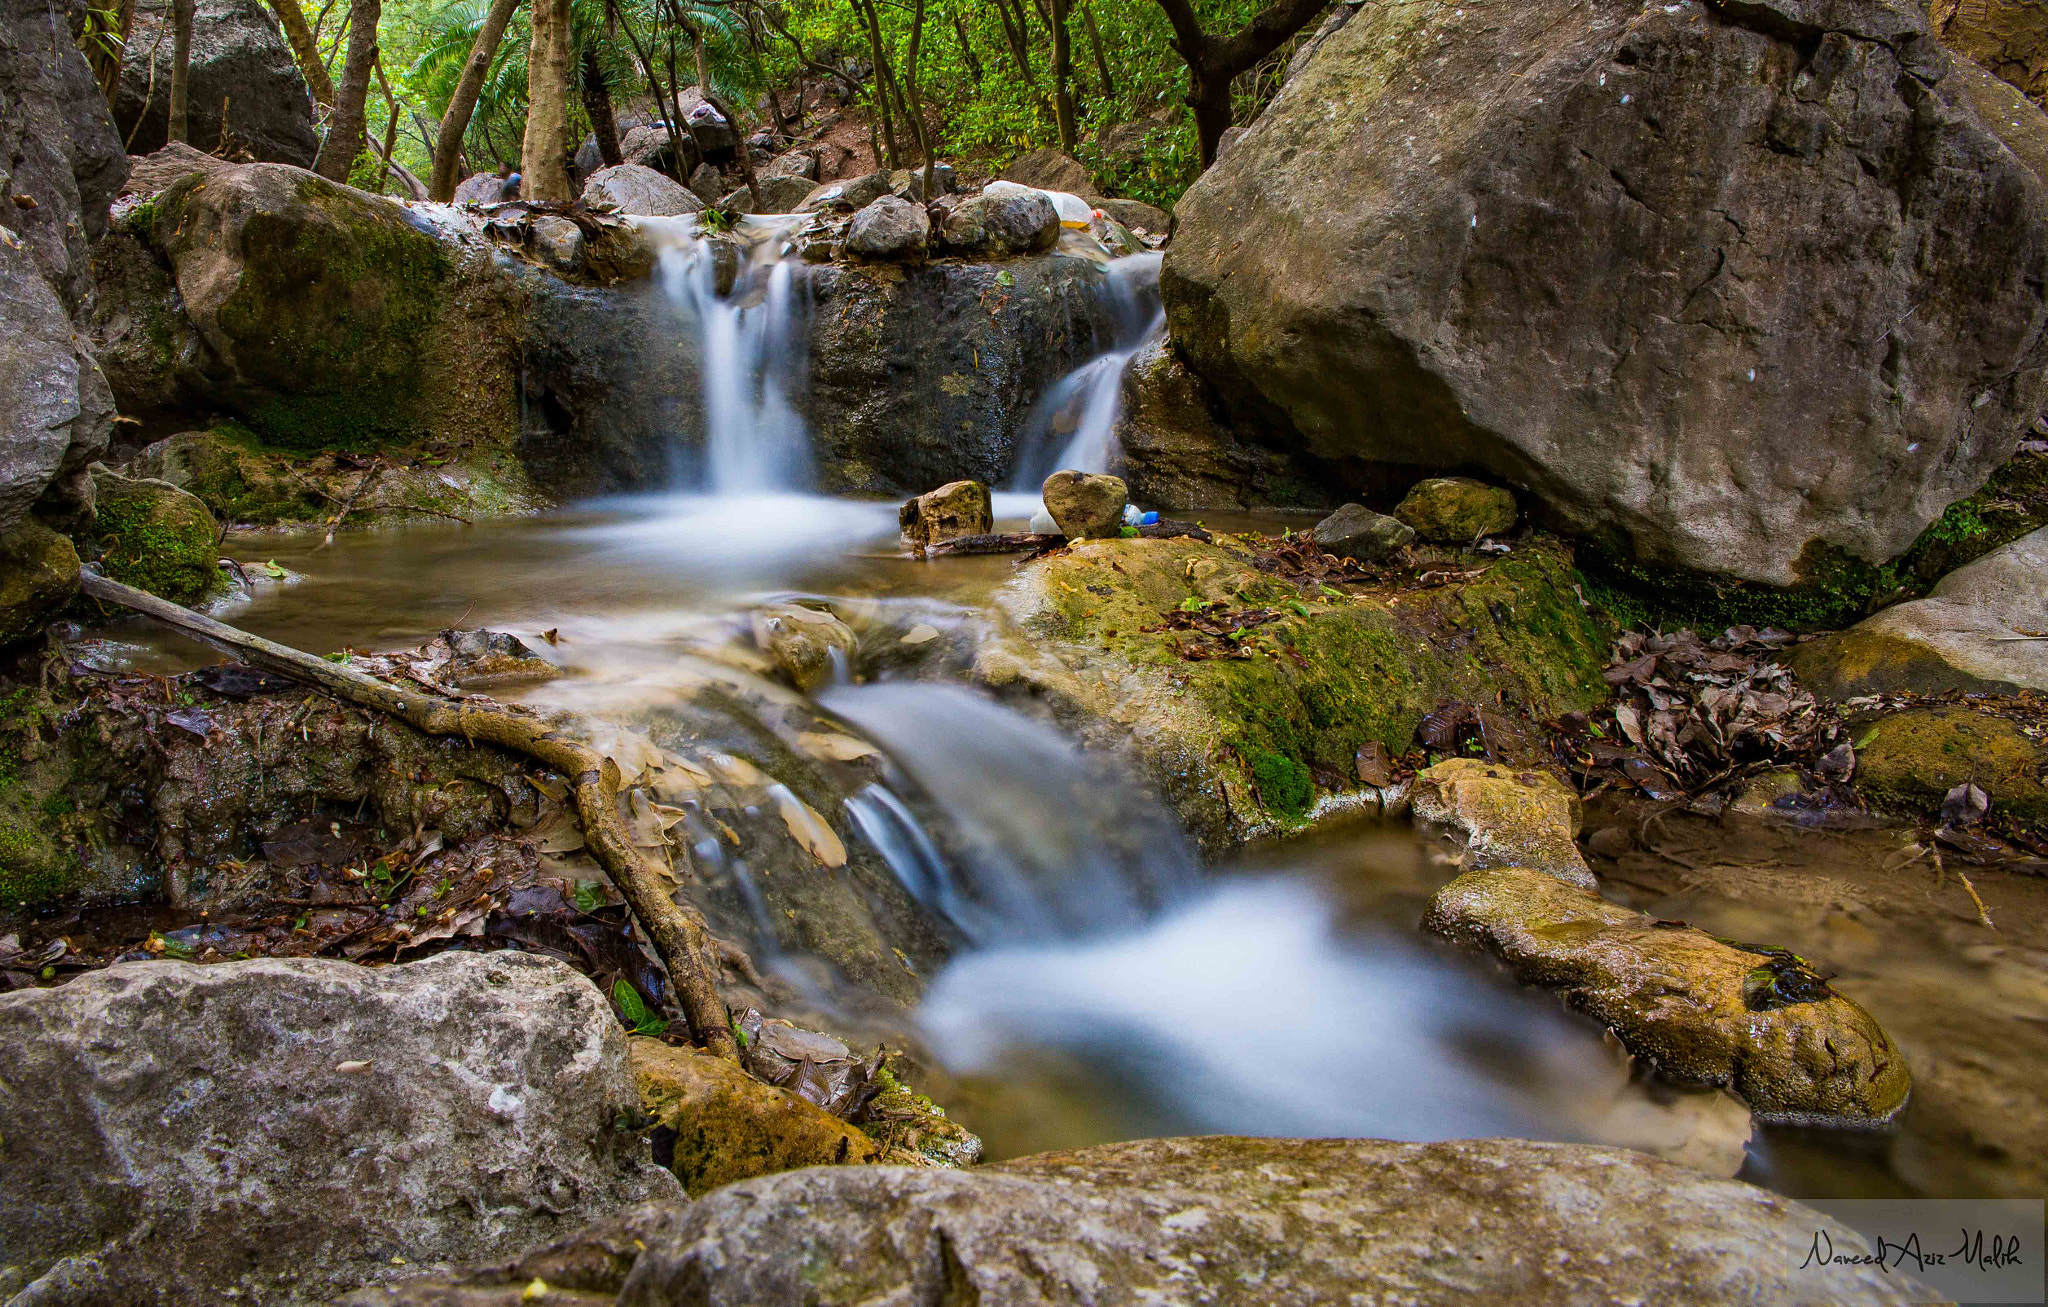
<point>1074,425</point>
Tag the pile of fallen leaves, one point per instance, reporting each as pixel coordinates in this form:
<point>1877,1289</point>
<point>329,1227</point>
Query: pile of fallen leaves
<point>1692,715</point>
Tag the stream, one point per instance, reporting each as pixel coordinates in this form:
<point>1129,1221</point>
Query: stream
<point>1107,984</point>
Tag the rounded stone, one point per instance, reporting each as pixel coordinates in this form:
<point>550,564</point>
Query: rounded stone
<point>1456,510</point>
<point>1086,505</point>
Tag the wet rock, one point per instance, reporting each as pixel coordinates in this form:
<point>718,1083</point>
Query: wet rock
<point>557,242</point>
<point>38,576</point>
<point>1050,170</point>
<point>1908,761</point>
<point>1756,1021</point>
<point>632,188</point>
<point>284,1130</point>
<point>848,196</point>
<point>1355,531</point>
<point>779,194</point>
<point>1615,241</point>
<point>241,65</point>
<point>1236,733</point>
<point>1456,510</point>
<point>2005,36</point>
<point>1176,454</point>
<point>1761,794</point>
<point>809,647</point>
<point>147,348</point>
<point>996,226</point>
<point>1505,817</point>
<point>1610,841</point>
<point>1973,632</point>
<point>155,537</point>
<point>889,230</point>
<point>729,1126</point>
<point>583,1269</point>
<point>1279,1221</point>
<point>1086,506</point>
<point>233,480</point>
<point>479,657</point>
<point>958,508</point>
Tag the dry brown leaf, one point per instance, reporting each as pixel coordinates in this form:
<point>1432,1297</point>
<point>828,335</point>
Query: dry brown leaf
<point>808,828</point>
<point>839,748</point>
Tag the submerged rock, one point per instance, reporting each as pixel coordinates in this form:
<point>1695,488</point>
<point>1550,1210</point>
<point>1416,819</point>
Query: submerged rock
<point>1456,510</point>
<point>1505,817</point>
<point>1703,1011</point>
<point>889,230</point>
<point>956,509</point>
<point>632,188</point>
<point>1976,631</point>
<point>729,1126</point>
<point>1273,1221</point>
<point>807,646</point>
<point>1908,761</point>
<point>155,537</point>
<point>1355,531</point>
<point>284,1130</point>
<point>1086,506</point>
<point>1583,248</point>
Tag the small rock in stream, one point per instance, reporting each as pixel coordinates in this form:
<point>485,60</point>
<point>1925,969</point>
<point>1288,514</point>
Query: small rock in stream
<point>1505,817</point>
<point>1457,510</point>
<point>1086,505</point>
<point>890,230</point>
<point>958,508</point>
<point>1355,531</point>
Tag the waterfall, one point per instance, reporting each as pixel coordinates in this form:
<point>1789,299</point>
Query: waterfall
<point>745,300</point>
<point>1074,425</point>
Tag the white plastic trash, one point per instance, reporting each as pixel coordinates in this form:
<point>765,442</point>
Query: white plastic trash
<point>1074,211</point>
<point>1043,525</point>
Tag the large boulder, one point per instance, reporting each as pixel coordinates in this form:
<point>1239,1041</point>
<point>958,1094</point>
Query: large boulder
<point>64,165</point>
<point>1179,451</point>
<point>281,1131</point>
<point>1978,630</point>
<point>333,318</point>
<point>890,230</point>
<point>38,576</point>
<point>150,173</point>
<point>1355,531</point>
<point>633,188</point>
<point>651,146</point>
<point>1456,510</point>
<point>846,196</point>
<point>1909,762</point>
<point>1000,225</point>
<point>1702,1010</point>
<point>954,510</point>
<point>155,537</point>
<point>1727,285</point>
<point>779,194</point>
<point>2008,37</point>
<point>1084,505</point>
<point>241,63</point>
<point>1286,1222</point>
<point>1050,170</point>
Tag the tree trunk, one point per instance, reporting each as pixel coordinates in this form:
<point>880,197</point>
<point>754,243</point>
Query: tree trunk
<point>543,156</point>
<point>1018,37</point>
<point>967,55</point>
<point>1063,77</point>
<point>1095,43</point>
<point>678,933</point>
<point>916,100</point>
<point>1209,97</point>
<point>455,122</point>
<point>744,148</point>
<point>597,106</point>
<point>305,49</point>
<point>181,69</point>
<point>1214,62</point>
<point>880,54</point>
<point>679,165</point>
<point>347,128</point>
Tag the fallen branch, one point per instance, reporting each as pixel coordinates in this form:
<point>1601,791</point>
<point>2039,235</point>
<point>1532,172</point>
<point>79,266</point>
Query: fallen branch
<point>1021,543</point>
<point>678,933</point>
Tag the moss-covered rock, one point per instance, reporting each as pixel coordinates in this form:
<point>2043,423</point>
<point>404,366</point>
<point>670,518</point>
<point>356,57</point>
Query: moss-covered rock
<point>1238,743</point>
<point>1505,817</point>
<point>232,475</point>
<point>1456,510</point>
<point>1907,761</point>
<point>38,576</point>
<point>155,537</point>
<point>1704,1011</point>
<point>729,1126</point>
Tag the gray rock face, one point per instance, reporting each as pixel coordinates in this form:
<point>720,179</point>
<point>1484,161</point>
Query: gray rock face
<point>889,231</point>
<point>779,194</point>
<point>846,196</point>
<point>707,183</point>
<point>997,226</point>
<point>1176,453</point>
<point>61,154</point>
<point>649,145</point>
<point>288,1129</point>
<point>636,189</point>
<point>1050,170</point>
<point>1135,214</point>
<point>1274,1222</point>
<point>1716,280</point>
<point>909,182</point>
<point>485,188</point>
<point>1355,531</point>
<point>240,57</point>
<point>150,173</point>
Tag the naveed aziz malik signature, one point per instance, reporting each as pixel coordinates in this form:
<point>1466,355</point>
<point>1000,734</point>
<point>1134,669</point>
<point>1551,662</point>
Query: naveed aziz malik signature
<point>1973,1251</point>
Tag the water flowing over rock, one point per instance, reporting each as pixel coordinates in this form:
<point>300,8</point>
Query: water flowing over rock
<point>1269,1221</point>
<point>241,66</point>
<point>289,1129</point>
<point>1577,248</point>
<point>1702,1010</point>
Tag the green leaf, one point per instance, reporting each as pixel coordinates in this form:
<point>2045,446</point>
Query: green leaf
<point>275,572</point>
<point>1300,608</point>
<point>589,896</point>
<point>1129,533</point>
<point>1006,278</point>
<point>1192,605</point>
<point>639,1017</point>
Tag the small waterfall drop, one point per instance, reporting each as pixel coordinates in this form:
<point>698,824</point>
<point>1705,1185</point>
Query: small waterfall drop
<point>742,295</point>
<point>1074,425</point>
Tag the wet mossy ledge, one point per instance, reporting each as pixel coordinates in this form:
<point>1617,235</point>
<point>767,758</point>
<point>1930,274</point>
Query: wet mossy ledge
<point>1261,733</point>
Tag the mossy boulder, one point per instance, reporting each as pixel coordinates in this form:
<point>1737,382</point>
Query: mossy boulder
<point>1086,505</point>
<point>1456,510</point>
<point>333,318</point>
<point>1240,733</point>
<point>1505,816</point>
<point>729,1126</point>
<point>231,475</point>
<point>155,537</point>
<point>38,576</point>
<point>1704,1011</point>
<point>1909,760</point>
<point>956,509</point>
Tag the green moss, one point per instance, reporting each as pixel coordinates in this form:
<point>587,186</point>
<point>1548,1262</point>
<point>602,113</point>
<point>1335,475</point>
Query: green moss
<point>1284,784</point>
<point>2012,503</point>
<point>156,538</point>
<point>1910,760</point>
